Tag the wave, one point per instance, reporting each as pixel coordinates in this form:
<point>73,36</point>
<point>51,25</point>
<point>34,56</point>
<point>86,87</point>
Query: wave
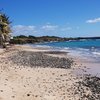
<point>87,51</point>
<point>96,53</point>
<point>43,46</point>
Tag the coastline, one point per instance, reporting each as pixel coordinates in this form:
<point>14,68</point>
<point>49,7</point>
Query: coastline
<point>24,82</point>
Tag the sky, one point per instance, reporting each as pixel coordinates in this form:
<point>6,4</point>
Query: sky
<point>63,18</point>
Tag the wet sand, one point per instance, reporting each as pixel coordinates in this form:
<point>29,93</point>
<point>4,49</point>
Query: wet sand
<point>86,65</point>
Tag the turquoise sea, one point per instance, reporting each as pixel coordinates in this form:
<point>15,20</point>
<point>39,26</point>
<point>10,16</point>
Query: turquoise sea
<point>75,44</point>
<point>88,48</point>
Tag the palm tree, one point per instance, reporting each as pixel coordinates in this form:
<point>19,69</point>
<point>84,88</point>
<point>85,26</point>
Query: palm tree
<point>4,29</point>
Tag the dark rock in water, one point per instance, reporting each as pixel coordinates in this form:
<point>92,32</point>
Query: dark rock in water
<point>39,59</point>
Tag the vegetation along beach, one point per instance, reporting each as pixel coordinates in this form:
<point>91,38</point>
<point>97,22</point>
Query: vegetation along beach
<point>42,57</point>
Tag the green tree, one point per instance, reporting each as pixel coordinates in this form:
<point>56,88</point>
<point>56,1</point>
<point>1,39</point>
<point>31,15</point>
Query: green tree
<point>4,29</point>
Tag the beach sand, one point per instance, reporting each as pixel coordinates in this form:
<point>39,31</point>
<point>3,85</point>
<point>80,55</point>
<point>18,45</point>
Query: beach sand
<point>22,82</point>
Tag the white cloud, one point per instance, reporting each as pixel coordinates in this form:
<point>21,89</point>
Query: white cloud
<point>93,20</point>
<point>35,30</point>
<point>25,30</point>
<point>46,29</point>
<point>22,27</point>
<point>49,27</point>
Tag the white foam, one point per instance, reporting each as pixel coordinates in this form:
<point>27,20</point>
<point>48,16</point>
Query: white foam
<point>96,53</point>
<point>43,46</point>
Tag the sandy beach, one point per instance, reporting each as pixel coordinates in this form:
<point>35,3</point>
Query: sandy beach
<point>50,50</point>
<point>28,73</point>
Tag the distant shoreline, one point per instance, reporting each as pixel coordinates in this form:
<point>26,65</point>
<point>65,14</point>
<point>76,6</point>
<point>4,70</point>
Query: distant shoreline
<point>22,39</point>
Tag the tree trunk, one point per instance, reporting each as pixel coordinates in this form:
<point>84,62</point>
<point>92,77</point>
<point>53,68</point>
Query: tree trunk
<point>3,41</point>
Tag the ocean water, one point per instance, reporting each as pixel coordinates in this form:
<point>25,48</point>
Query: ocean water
<point>75,44</point>
<point>86,48</point>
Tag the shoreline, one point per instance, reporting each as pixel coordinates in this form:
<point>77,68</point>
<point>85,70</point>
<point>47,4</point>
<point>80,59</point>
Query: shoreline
<point>88,64</point>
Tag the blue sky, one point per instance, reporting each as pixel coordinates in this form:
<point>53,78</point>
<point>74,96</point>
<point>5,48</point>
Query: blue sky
<point>65,18</point>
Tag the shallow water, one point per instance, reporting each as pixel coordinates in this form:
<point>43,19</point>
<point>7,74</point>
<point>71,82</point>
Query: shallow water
<point>89,48</point>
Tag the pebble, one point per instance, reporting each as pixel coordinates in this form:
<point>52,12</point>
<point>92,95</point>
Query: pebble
<point>37,59</point>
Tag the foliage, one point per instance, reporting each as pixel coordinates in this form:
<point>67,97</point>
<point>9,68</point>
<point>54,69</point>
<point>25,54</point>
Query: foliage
<point>22,39</point>
<point>4,28</point>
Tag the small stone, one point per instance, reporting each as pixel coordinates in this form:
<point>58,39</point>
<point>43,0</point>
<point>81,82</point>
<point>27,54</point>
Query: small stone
<point>13,96</point>
<point>1,90</point>
<point>28,94</point>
